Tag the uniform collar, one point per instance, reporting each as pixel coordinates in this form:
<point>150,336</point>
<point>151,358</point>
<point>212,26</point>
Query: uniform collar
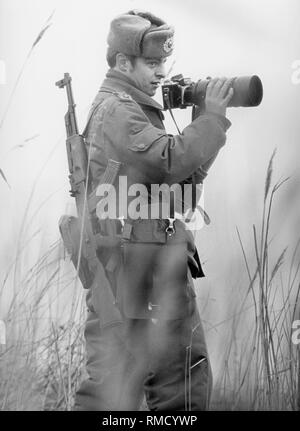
<point>116,81</point>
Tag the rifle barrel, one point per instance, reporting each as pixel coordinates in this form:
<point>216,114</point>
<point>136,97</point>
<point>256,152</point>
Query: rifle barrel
<point>70,117</point>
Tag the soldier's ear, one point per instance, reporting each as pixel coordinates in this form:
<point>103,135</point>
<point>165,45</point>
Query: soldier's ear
<point>123,62</point>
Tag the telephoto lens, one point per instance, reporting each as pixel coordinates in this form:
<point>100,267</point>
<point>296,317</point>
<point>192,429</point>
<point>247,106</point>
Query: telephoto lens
<point>248,91</point>
<point>181,92</point>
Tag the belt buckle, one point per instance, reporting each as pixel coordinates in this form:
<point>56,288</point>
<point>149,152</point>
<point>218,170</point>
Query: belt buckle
<point>170,229</point>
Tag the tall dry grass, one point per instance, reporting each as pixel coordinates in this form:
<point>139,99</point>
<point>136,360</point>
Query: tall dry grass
<point>42,333</point>
<point>42,363</point>
<point>262,371</point>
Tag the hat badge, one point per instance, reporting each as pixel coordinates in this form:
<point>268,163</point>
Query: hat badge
<point>168,45</point>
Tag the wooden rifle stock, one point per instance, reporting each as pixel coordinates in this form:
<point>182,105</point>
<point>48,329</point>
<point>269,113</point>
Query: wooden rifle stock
<point>83,241</point>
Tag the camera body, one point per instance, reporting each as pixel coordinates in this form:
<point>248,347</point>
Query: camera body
<point>180,92</point>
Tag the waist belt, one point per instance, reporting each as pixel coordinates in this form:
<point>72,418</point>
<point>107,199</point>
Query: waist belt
<point>141,230</point>
<point>153,231</point>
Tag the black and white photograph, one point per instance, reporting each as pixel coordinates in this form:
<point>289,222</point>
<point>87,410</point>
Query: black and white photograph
<point>150,208</point>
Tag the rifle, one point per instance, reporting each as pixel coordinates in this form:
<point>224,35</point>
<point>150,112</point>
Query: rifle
<point>77,233</point>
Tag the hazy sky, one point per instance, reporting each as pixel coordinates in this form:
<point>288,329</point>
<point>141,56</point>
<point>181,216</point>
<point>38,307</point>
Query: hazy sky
<point>213,37</point>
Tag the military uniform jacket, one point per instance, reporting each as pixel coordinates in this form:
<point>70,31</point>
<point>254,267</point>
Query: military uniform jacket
<point>126,125</point>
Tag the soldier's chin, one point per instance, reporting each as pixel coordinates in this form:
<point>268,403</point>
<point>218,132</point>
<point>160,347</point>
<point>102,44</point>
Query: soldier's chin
<point>152,91</point>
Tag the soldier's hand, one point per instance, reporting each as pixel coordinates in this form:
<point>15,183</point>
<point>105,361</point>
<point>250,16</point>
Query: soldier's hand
<point>218,94</point>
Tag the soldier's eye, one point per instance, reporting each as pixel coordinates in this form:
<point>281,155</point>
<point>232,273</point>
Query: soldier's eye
<point>152,63</point>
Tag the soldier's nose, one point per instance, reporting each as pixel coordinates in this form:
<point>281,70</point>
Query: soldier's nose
<point>161,73</point>
<point>160,70</point>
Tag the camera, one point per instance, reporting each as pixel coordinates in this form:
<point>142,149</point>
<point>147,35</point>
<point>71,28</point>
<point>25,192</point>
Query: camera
<point>180,92</point>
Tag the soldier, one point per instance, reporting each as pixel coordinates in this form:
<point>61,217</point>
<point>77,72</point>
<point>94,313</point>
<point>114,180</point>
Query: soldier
<point>158,349</point>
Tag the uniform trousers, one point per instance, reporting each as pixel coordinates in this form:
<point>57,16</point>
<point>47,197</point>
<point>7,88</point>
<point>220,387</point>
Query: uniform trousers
<point>165,360</point>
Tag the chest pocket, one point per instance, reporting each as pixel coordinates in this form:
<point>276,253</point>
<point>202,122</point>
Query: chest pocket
<point>141,138</point>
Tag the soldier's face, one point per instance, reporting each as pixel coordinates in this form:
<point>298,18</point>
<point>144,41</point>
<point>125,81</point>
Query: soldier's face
<point>148,73</point>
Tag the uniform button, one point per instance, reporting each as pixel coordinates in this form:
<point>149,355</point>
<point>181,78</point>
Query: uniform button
<point>141,146</point>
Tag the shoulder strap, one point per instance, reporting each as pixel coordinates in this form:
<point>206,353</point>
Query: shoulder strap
<point>92,112</point>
